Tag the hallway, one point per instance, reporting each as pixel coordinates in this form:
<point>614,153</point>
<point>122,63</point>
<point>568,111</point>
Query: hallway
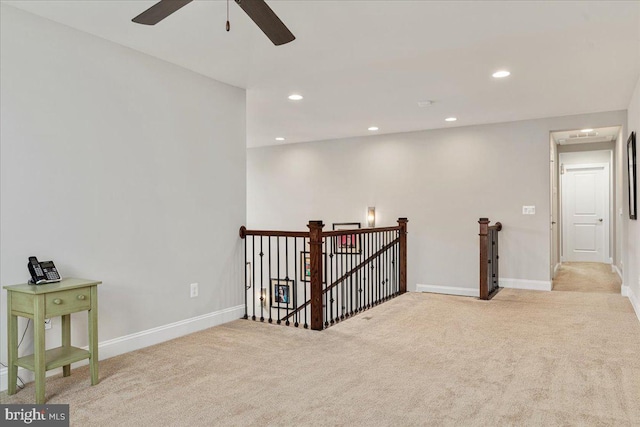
<point>587,277</point>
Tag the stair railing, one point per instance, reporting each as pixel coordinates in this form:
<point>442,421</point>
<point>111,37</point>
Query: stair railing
<point>316,278</point>
<point>489,258</point>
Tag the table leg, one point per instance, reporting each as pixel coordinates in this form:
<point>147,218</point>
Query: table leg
<point>93,336</point>
<point>66,340</point>
<point>12,336</point>
<point>39,348</point>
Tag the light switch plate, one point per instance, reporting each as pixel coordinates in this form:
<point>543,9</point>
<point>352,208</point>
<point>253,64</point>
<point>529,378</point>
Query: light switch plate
<point>528,210</point>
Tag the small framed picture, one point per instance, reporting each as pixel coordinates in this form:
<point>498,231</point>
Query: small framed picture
<point>281,296</point>
<point>349,243</point>
<point>305,266</point>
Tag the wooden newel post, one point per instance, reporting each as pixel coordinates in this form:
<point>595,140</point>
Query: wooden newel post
<point>484,266</point>
<point>402,222</point>
<point>315,255</point>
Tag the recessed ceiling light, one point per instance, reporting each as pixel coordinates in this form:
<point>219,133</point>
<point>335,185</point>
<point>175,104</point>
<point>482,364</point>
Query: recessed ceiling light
<point>450,119</point>
<point>500,74</point>
<point>295,97</point>
<point>372,128</point>
<point>586,130</point>
<point>279,138</point>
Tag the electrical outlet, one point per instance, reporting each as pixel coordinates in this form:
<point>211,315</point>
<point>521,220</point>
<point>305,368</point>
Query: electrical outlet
<point>194,290</point>
<point>47,324</point>
<point>528,210</point>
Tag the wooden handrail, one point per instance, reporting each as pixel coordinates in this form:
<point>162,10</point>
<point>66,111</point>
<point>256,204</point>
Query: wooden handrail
<point>333,233</point>
<point>276,233</point>
<point>244,232</point>
<point>497,226</point>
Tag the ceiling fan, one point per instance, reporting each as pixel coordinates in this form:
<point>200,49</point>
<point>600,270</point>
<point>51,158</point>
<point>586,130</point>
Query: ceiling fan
<point>258,11</point>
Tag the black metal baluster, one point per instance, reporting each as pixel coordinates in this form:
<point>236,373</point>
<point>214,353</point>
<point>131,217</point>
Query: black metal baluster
<point>253,274</point>
<point>385,273</point>
<point>306,324</point>
<point>278,276</point>
<point>384,267</point>
<point>396,279</point>
<point>358,277</point>
<point>270,280</point>
<point>263,294</point>
<point>490,256</point>
<point>378,268</point>
<point>497,263</point>
<point>286,269</point>
<point>295,275</point>
<point>363,282</point>
<point>246,305</point>
<point>371,272</point>
<point>352,282</point>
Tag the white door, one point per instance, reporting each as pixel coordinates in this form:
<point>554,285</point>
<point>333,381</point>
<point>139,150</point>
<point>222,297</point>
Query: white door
<point>585,213</point>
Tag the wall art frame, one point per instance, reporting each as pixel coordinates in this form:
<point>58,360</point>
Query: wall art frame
<point>349,243</point>
<point>633,176</point>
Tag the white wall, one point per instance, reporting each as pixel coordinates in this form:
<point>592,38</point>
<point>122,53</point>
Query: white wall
<point>119,167</point>
<point>631,273</point>
<point>442,180</point>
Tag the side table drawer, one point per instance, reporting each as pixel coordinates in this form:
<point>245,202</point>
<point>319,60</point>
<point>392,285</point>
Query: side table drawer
<point>65,302</point>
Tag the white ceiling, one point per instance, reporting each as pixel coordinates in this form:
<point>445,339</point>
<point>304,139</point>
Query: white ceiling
<point>368,63</point>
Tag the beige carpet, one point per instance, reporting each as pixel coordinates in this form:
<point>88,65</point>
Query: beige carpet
<point>586,277</point>
<point>523,358</point>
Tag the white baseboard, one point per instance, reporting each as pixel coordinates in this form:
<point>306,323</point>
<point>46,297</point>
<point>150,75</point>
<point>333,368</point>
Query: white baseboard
<point>534,285</point>
<point>138,340</point>
<point>635,299</point>
<point>449,290</point>
<point>556,268</point>
<point>615,269</point>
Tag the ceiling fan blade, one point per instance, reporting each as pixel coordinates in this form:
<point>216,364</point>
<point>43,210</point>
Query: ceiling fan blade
<point>159,11</point>
<point>267,21</point>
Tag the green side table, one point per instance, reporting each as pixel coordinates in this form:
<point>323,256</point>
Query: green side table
<point>38,302</point>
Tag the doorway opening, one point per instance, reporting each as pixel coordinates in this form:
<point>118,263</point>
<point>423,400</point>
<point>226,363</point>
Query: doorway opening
<point>583,198</point>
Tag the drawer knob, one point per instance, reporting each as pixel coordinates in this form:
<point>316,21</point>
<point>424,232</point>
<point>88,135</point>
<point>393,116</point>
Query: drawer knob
<point>57,301</point>
<point>82,297</point>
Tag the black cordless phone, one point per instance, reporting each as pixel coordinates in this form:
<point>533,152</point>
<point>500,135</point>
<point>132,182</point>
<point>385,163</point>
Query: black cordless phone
<point>42,272</point>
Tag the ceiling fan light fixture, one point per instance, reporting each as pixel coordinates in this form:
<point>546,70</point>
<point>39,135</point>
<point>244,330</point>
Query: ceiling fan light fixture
<point>258,10</point>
